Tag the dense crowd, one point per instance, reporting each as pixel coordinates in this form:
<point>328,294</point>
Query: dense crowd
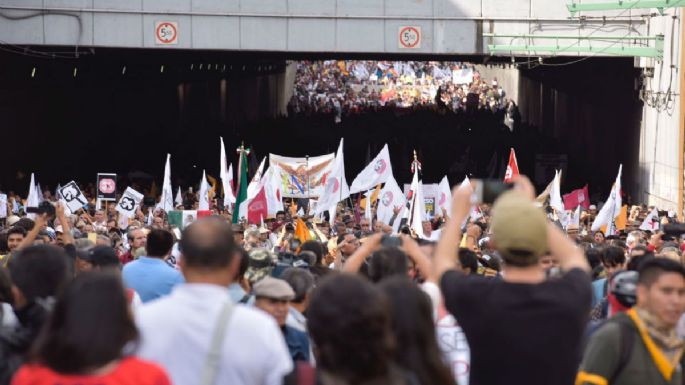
<point>300,299</point>
<point>355,86</point>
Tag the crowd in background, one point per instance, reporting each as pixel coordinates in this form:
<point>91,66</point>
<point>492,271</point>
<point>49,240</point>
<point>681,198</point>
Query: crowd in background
<point>356,86</point>
<point>342,300</point>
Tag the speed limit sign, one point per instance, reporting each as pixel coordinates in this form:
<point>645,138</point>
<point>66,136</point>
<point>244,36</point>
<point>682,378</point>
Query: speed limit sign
<point>166,32</point>
<point>410,37</point>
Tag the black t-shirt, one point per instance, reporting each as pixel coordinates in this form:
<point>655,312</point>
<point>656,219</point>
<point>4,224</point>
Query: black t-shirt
<point>521,333</point>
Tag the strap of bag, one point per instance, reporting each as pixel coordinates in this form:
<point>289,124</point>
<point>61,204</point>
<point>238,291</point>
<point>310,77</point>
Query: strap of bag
<point>211,366</point>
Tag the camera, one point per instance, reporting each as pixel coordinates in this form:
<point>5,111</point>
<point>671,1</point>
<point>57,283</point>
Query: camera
<point>44,207</point>
<point>672,231</point>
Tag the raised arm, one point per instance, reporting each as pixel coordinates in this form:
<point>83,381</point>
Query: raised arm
<point>423,263</point>
<point>356,260</point>
<point>40,221</point>
<point>67,238</point>
<point>565,251</point>
<point>448,245</point>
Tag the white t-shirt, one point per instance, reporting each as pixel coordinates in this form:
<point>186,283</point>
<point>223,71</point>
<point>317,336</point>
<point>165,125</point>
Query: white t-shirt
<point>176,332</point>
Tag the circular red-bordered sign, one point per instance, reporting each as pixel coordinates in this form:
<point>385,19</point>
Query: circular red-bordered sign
<point>410,37</point>
<point>166,33</point>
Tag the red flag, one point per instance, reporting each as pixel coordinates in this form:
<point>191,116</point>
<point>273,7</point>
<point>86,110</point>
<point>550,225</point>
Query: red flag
<point>576,198</point>
<point>512,167</point>
<point>257,209</point>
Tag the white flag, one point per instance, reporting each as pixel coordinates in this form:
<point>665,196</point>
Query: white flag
<point>417,209</point>
<point>611,209</point>
<point>32,199</point>
<point>391,197</point>
<point>226,177</point>
<point>651,223</point>
<point>39,193</point>
<point>166,202</point>
<point>336,188</point>
<point>443,200</point>
<point>129,202</point>
<point>179,197</point>
<point>272,190</point>
<point>375,173</point>
<point>555,200</point>
<point>204,193</point>
<point>253,187</point>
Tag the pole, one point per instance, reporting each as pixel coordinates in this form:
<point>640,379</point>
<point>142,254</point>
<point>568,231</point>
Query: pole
<point>308,186</point>
<point>681,143</point>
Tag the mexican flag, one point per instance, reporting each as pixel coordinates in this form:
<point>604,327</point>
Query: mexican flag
<point>182,218</point>
<point>241,195</point>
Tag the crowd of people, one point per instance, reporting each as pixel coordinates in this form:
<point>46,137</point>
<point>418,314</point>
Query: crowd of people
<point>356,86</point>
<point>300,299</point>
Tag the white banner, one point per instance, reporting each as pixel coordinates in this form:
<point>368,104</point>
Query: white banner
<point>73,196</point>
<point>302,178</point>
<point>129,202</point>
<point>462,76</point>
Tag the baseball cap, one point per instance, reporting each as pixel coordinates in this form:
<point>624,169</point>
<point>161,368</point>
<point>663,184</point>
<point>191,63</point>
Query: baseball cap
<point>260,265</point>
<point>274,288</point>
<point>519,229</point>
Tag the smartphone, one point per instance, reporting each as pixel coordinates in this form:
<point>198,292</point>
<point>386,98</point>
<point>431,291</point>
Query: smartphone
<point>488,190</point>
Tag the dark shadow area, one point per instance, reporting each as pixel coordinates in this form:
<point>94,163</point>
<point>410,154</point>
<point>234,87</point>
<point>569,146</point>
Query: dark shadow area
<point>123,112</point>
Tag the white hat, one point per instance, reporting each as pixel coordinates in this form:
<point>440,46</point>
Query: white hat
<point>12,220</point>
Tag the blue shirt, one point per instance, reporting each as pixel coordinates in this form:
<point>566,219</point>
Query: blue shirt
<point>151,277</point>
<point>598,291</point>
<point>237,294</point>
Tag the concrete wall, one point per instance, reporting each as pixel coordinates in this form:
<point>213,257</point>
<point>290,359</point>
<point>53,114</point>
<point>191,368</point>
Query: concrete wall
<point>446,26</point>
<point>659,143</point>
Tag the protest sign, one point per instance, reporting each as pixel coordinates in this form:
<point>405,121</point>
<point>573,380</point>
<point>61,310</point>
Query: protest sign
<point>3,205</point>
<point>73,196</point>
<point>129,202</point>
<point>107,187</point>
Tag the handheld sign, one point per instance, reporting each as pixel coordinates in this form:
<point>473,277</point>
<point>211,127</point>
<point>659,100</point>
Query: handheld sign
<point>107,187</point>
<point>73,196</point>
<point>129,202</point>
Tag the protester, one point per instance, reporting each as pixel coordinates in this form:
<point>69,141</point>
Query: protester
<point>536,310</point>
<point>641,346</point>
<point>136,240</point>
<point>150,276</point>
<point>37,273</point>
<point>352,338</point>
<point>613,260</point>
<point>272,296</point>
<point>240,288</point>
<point>302,283</point>
<point>229,344</point>
<point>88,339</point>
<point>414,331</point>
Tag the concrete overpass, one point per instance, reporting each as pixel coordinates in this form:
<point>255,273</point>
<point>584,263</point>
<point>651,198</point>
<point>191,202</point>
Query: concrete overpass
<point>376,26</point>
<point>399,28</point>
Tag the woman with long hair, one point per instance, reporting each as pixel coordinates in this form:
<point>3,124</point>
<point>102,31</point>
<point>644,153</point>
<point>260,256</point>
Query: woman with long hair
<point>89,339</point>
<point>414,331</point>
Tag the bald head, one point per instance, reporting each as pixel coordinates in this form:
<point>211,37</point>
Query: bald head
<point>207,243</point>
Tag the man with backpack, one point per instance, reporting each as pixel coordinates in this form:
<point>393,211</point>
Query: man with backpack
<point>640,346</point>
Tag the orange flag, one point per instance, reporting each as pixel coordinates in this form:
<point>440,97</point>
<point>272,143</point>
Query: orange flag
<point>301,230</point>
